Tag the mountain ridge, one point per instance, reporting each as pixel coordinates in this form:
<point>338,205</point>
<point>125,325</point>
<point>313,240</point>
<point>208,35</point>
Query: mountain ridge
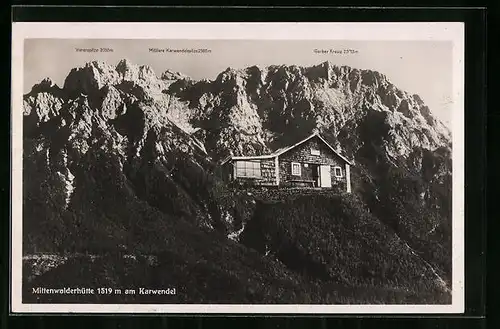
<point>143,71</point>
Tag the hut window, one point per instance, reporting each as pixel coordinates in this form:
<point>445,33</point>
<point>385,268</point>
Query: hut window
<point>295,168</point>
<point>248,169</point>
<point>315,152</point>
<point>337,171</point>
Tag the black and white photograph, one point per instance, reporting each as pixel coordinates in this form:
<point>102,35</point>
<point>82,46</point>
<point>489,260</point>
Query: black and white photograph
<point>237,168</point>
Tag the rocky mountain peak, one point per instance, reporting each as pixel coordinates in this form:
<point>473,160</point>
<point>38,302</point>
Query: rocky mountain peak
<point>46,85</point>
<point>171,75</point>
<point>94,75</point>
<point>90,78</point>
<point>124,65</point>
<point>228,74</point>
<point>132,72</point>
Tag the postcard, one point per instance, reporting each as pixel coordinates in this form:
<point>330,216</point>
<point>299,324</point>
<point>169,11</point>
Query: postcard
<point>235,168</point>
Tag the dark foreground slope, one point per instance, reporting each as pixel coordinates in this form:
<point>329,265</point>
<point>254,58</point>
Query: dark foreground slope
<point>309,248</point>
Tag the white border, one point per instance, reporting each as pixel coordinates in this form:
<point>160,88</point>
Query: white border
<point>272,31</point>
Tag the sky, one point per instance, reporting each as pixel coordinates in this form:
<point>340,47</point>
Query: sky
<point>418,67</point>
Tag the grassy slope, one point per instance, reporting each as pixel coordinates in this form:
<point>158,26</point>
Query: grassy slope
<point>334,238</point>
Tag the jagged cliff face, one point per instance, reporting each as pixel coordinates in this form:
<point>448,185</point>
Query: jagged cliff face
<point>103,140</point>
<point>159,136</point>
<point>257,109</point>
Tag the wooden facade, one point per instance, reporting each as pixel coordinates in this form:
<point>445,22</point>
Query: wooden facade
<point>311,162</point>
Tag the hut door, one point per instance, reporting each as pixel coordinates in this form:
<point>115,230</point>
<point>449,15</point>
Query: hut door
<point>326,178</point>
<point>315,175</point>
